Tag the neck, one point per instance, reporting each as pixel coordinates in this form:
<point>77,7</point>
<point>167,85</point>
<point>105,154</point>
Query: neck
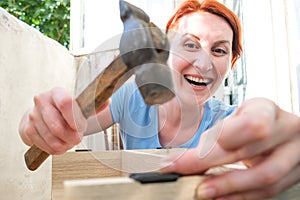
<point>175,112</point>
<point>178,122</point>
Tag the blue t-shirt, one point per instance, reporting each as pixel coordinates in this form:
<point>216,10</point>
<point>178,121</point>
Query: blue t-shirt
<point>138,121</point>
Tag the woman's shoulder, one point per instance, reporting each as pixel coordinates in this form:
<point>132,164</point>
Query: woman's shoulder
<point>128,86</point>
<point>129,93</point>
<point>127,90</point>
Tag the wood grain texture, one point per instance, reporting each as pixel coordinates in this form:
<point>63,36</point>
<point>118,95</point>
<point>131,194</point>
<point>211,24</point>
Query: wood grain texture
<point>100,175</point>
<point>182,189</point>
<point>82,165</point>
<point>34,157</point>
<point>102,87</point>
<point>100,164</point>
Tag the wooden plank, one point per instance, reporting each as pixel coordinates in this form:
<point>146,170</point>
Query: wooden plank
<point>128,189</point>
<point>140,162</point>
<point>87,165</point>
<point>104,175</point>
<point>83,165</point>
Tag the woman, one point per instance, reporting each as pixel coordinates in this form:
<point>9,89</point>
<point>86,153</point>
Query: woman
<point>204,47</point>
<point>200,62</point>
<point>205,43</point>
<point>258,133</point>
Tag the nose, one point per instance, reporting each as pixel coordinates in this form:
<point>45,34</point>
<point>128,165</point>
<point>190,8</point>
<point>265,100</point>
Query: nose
<point>203,61</point>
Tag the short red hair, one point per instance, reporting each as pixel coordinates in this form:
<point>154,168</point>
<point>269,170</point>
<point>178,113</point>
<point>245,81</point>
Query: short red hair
<point>216,8</point>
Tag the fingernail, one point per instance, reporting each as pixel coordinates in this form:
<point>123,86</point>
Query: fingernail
<point>205,192</point>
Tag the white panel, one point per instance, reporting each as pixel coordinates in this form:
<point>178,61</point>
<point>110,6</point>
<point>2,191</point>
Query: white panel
<point>30,63</point>
<point>261,73</point>
<point>298,86</point>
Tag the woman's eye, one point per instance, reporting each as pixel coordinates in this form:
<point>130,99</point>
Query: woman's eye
<point>191,46</point>
<point>219,51</point>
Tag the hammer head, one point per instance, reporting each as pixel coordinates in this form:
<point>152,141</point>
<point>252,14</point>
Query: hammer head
<point>145,49</point>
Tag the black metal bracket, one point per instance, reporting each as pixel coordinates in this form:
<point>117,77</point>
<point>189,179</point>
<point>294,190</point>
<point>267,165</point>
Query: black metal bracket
<point>154,177</point>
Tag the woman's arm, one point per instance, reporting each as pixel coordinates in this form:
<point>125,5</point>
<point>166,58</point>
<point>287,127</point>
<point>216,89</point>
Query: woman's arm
<point>99,122</point>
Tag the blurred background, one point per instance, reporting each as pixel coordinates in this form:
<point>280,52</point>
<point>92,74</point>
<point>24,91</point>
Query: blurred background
<point>267,68</point>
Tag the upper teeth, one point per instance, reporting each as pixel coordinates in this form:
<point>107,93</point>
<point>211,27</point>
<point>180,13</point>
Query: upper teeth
<point>196,79</point>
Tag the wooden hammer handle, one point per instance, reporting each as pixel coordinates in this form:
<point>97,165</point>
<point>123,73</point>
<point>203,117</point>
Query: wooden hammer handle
<point>34,157</point>
<point>91,98</point>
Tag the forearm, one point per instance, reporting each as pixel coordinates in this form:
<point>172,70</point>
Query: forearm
<point>99,122</point>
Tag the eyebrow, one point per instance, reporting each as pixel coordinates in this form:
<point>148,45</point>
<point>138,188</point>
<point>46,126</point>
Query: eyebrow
<point>191,35</point>
<point>197,38</point>
<point>222,42</point>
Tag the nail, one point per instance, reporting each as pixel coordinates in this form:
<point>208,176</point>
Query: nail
<point>205,192</point>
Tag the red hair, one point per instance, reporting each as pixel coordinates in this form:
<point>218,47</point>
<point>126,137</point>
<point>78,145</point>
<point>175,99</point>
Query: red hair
<point>216,8</point>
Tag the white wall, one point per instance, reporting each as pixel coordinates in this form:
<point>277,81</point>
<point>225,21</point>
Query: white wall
<point>102,21</point>
<point>29,63</point>
<point>269,59</point>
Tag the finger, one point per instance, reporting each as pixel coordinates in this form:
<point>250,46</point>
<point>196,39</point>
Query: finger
<point>25,127</point>
<point>57,128</point>
<point>207,154</point>
<point>276,138</point>
<point>52,126</point>
<point>106,103</point>
<point>267,173</point>
<point>250,144</point>
<point>240,130</point>
<point>251,122</point>
<point>41,144</point>
<point>197,160</point>
<point>291,179</point>
<point>34,136</point>
<point>192,161</point>
<point>261,118</point>
<point>261,106</point>
<point>43,138</point>
<point>70,109</point>
<point>287,182</point>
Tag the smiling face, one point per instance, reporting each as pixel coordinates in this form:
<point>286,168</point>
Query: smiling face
<point>201,52</point>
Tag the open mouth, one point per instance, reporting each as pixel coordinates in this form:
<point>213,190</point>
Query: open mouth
<point>196,80</point>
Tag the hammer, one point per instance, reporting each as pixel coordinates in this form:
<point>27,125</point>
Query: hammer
<point>144,51</point>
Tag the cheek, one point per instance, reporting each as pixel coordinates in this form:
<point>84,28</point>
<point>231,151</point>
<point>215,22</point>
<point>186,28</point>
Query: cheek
<point>222,67</point>
<point>177,63</point>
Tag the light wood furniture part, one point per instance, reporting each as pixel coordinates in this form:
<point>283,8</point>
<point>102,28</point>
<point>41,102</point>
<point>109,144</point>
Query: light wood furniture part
<point>104,175</point>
